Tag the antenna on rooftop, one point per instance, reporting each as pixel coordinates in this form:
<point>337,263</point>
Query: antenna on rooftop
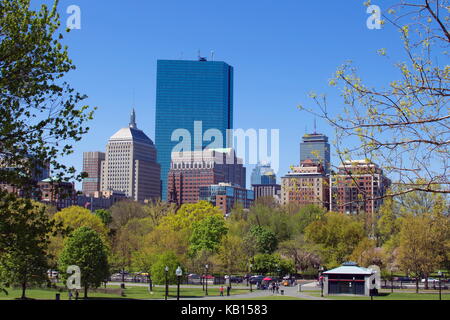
<point>315,125</point>
<point>212,55</point>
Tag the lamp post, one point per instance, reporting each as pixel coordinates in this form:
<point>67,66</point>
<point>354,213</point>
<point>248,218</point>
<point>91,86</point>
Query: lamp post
<point>251,266</point>
<point>440,277</point>
<point>206,278</point>
<point>321,281</point>
<point>166,269</point>
<point>179,273</point>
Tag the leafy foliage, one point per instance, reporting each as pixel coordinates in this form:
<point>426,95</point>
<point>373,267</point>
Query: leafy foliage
<point>85,249</point>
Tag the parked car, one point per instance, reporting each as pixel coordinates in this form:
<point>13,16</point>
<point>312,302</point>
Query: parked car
<point>430,280</point>
<point>236,279</point>
<point>256,279</point>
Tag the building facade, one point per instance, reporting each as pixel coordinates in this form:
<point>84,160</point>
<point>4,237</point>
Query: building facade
<point>193,170</point>
<point>267,190</point>
<point>57,193</point>
<point>226,196</point>
<point>190,92</point>
<point>100,199</point>
<point>130,164</point>
<point>306,184</point>
<point>315,147</point>
<point>358,187</point>
<point>92,165</point>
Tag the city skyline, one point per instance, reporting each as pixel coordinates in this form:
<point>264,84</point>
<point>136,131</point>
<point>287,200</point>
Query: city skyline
<point>305,49</point>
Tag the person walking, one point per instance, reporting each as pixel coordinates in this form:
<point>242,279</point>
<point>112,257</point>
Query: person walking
<point>70,295</point>
<point>221,291</point>
<point>277,287</point>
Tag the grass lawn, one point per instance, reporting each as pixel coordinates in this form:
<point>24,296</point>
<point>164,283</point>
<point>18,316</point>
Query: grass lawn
<point>390,296</point>
<point>273,298</point>
<point>129,293</point>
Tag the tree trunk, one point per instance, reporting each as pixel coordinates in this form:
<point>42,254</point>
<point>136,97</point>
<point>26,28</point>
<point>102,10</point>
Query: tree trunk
<point>85,292</point>
<point>24,287</point>
<point>417,285</point>
<point>426,282</point>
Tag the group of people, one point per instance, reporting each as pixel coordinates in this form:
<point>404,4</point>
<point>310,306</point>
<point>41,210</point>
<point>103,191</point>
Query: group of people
<point>274,286</point>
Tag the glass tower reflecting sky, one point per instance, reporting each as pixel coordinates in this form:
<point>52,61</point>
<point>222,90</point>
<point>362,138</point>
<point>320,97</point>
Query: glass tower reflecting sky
<point>189,91</point>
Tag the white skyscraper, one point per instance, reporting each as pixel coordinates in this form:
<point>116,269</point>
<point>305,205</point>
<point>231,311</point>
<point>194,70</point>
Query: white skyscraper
<point>130,164</point>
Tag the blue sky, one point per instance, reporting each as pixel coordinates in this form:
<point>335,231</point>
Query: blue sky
<point>280,50</point>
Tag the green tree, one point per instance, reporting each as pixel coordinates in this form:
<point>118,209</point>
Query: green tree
<point>25,229</point>
<point>188,214</point>
<point>123,211</point>
<point>207,234</point>
<point>337,234</point>
<point>262,239</point>
<point>306,215</point>
<point>424,244</point>
<point>84,248</point>
<point>170,260</point>
<point>303,254</point>
<point>232,254</point>
<point>264,263</point>
<point>39,114</point>
<point>104,215</point>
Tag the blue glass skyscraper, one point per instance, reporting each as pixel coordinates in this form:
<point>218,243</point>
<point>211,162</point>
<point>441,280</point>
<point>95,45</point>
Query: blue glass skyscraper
<point>189,91</point>
<point>315,147</point>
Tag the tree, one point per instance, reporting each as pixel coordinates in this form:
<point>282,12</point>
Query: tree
<point>123,211</point>
<point>104,215</point>
<point>25,229</point>
<point>304,255</point>
<point>170,260</point>
<point>262,239</point>
<point>366,254</point>
<point>231,254</point>
<point>207,234</point>
<point>75,217</point>
<point>264,263</point>
<point>306,215</point>
<point>188,214</point>
<point>39,112</point>
<point>337,234</point>
<point>129,239</point>
<point>158,210</point>
<point>85,249</point>
<point>424,244</point>
<point>403,125</point>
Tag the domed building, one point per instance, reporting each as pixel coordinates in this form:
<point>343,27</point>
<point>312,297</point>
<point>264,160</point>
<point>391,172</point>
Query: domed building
<point>130,164</point>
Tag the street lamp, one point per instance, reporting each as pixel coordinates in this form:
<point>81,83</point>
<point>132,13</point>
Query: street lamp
<point>179,273</point>
<point>206,278</point>
<point>166,269</point>
<point>251,266</point>
<point>440,277</point>
<point>321,281</point>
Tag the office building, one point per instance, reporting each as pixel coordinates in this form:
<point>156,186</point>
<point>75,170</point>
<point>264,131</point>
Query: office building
<point>315,147</point>
<point>92,164</point>
<point>306,184</point>
<point>358,186</point>
<point>130,164</point>
<point>227,196</point>
<point>202,168</point>
<point>191,92</point>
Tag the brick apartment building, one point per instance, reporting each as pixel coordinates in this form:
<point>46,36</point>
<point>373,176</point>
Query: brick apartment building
<point>191,170</point>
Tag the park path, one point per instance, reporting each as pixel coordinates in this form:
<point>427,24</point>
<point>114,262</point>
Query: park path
<point>288,291</point>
